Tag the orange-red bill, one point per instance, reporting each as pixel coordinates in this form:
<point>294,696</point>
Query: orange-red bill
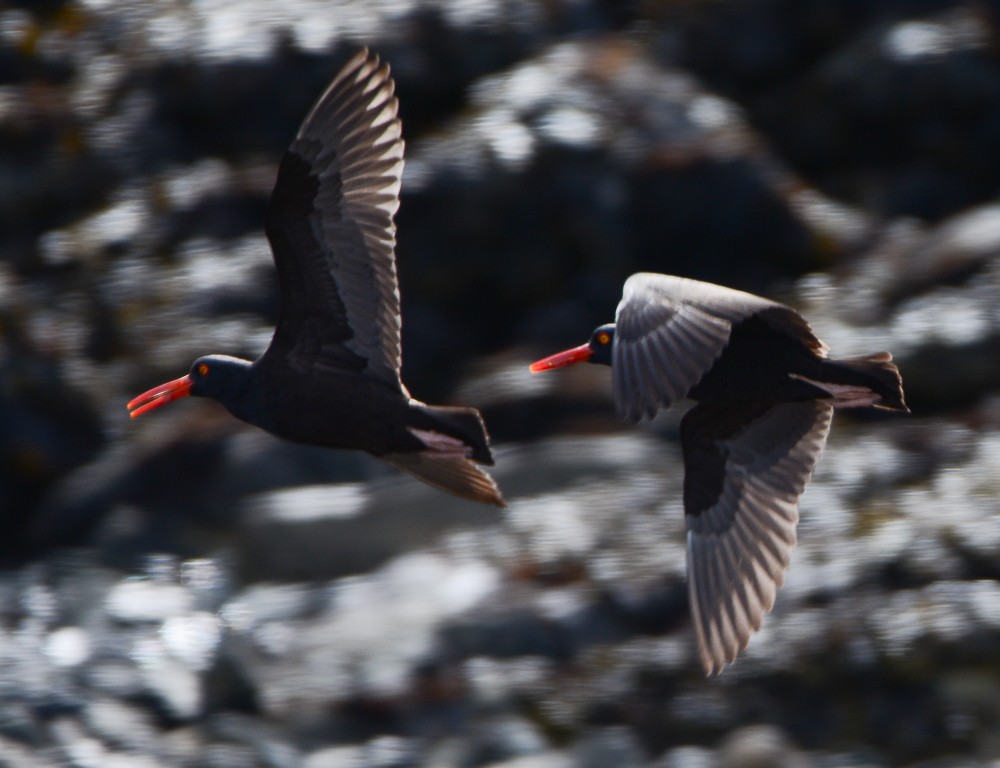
<point>161,395</point>
<point>569,357</point>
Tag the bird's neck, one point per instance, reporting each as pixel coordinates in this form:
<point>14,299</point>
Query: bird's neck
<point>239,393</point>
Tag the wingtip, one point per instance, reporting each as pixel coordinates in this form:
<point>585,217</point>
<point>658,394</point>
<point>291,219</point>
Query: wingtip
<point>363,55</point>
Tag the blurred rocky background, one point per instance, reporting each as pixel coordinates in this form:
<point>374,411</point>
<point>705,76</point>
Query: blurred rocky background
<point>184,591</point>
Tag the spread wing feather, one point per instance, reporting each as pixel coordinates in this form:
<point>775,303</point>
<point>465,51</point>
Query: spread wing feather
<point>746,465</point>
<point>330,223</point>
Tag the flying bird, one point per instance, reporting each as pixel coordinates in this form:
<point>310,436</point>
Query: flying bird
<point>330,375</point>
<point>765,392</point>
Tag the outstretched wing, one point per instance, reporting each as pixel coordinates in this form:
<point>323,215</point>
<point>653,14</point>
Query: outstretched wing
<point>330,223</point>
<point>670,330</point>
<point>746,466</point>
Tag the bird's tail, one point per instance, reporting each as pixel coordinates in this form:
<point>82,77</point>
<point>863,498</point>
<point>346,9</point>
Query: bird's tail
<point>458,423</point>
<point>875,375</point>
<point>455,441</point>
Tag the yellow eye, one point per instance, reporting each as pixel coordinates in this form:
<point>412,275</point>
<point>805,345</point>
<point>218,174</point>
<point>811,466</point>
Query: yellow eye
<point>203,369</point>
<point>603,338</point>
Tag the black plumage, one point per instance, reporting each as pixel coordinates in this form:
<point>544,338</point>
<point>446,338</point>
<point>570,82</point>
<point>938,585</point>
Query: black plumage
<point>330,375</point>
<point>765,392</point>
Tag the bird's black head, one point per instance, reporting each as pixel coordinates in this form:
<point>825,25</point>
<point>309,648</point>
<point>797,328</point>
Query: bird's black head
<point>219,377</point>
<point>601,343</point>
<point>597,350</point>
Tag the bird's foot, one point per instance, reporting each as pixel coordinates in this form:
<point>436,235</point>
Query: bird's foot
<point>844,395</point>
<point>441,445</point>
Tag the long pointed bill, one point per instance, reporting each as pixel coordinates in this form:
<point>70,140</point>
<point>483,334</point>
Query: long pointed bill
<point>161,395</point>
<point>569,357</point>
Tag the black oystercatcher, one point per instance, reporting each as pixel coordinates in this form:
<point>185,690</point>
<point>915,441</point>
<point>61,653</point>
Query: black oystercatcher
<point>330,375</point>
<point>765,393</point>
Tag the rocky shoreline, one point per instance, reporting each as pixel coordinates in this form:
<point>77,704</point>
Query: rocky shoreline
<point>190,592</point>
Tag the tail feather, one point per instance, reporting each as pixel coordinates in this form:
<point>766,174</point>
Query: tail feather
<point>464,424</point>
<point>879,374</point>
<point>456,475</point>
<point>453,441</point>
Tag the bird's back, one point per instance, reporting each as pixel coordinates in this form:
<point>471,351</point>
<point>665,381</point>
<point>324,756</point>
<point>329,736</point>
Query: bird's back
<point>756,363</point>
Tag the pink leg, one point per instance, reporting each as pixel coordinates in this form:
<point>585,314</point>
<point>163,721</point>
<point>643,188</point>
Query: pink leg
<point>441,445</point>
<point>844,395</point>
